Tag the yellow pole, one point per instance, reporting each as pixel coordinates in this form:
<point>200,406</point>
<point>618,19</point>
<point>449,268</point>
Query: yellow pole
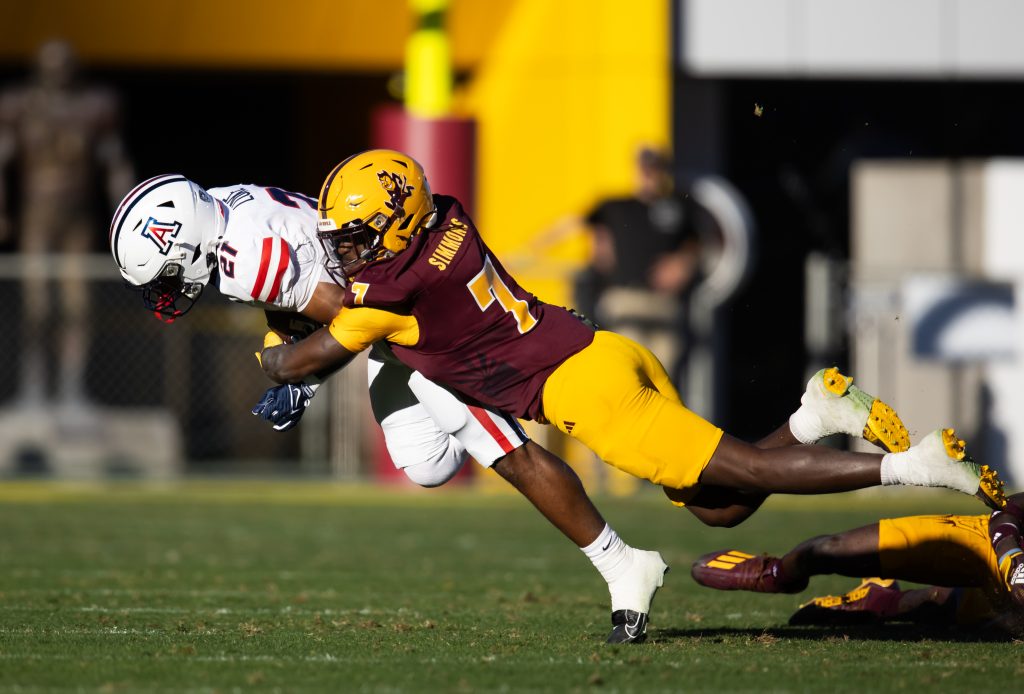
<point>428,62</point>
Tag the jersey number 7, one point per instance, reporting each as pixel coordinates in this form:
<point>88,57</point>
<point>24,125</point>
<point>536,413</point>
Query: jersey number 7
<point>488,287</point>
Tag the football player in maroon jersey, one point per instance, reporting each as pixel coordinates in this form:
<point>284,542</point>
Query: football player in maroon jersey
<point>417,274</point>
<point>258,245</point>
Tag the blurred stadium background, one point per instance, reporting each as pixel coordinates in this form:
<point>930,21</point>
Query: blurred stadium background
<point>863,158</point>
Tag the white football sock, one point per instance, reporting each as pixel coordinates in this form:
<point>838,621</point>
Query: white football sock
<point>908,469</point>
<point>821,414</point>
<point>891,465</point>
<point>927,465</point>
<point>806,426</point>
<point>609,554</point>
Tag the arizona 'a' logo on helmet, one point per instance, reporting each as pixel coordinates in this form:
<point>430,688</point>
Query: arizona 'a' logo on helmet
<point>162,238</point>
<point>162,234</point>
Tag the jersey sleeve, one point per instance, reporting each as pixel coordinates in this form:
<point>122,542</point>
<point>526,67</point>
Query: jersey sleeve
<point>356,329</point>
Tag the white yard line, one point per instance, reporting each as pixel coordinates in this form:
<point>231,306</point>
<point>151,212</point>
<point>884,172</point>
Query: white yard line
<point>82,631</point>
<point>287,610</point>
<point>172,592</point>
<point>223,658</point>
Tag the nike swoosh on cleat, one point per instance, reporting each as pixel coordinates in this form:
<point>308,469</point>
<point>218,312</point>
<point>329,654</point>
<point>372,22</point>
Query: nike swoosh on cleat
<point>633,630</point>
<point>628,627</point>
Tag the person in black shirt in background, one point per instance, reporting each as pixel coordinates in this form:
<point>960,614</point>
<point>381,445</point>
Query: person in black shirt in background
<point>645,256</point>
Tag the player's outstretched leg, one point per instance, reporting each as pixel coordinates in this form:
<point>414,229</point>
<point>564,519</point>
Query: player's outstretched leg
<point>850,553</point>
<point>937,461</point>
<point>831,404</point>
<point>632,595</point>
<point>633,575</point>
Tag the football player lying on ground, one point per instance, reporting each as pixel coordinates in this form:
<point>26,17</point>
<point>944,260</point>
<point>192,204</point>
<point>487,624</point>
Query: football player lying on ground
<point>974,564</point>
<point>417,274</point>
<point>258,246</point>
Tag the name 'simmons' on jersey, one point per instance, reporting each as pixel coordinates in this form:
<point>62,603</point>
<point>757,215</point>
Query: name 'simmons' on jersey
<point>449,245</point>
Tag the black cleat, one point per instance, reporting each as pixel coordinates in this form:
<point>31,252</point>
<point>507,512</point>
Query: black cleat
<point>628,627</point>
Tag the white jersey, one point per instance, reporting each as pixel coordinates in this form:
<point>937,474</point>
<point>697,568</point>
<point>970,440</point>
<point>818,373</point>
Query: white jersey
<point>269,254</point>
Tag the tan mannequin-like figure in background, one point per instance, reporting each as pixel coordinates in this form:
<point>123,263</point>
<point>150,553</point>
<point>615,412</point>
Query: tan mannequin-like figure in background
<point>58,138</point>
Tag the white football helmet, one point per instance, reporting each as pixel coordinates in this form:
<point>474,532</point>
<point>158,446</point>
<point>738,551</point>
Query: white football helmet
<point>163,238</point>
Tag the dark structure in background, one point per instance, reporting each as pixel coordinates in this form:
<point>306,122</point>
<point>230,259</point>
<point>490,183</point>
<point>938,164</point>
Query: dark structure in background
<point>224,127</point>
<point>792,163</point>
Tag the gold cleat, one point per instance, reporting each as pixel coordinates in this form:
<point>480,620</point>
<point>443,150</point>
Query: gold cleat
<point>835,382</point>
<point>883,427</point>
<point>955,446</point>
<point>873,601</point>
<point>990,487</point>
<point>832,404</point>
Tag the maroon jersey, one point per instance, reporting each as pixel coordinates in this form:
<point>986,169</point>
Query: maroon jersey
<point>479,331</point>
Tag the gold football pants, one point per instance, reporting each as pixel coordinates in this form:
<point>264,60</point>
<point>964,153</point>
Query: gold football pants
<point>952,551</point>
<point>615,397</point>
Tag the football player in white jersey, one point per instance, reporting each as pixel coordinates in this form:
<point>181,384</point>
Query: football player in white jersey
<point>258,245</point>
<point>263,251</point>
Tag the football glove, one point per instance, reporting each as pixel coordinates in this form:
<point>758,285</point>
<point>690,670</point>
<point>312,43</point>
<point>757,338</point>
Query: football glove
<point>284,405</point>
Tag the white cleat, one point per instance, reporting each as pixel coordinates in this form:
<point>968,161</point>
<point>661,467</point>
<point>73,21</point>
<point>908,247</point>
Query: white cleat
<point>632,596</point>
<point>831,404</point>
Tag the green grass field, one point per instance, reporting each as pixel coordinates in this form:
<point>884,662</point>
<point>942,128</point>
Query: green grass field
<point>293,587</point>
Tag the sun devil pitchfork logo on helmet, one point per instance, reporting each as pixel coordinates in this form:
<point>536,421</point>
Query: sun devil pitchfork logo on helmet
<point>395,185</point>
<point>161,233</point>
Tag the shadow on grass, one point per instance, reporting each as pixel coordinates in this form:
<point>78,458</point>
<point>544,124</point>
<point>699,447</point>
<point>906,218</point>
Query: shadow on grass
<point>864,632</point>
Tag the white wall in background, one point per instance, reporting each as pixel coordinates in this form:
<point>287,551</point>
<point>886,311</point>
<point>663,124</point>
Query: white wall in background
<point>853,38</point>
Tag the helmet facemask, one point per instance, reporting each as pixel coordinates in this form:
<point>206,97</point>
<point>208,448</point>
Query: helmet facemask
<point>170,295</point>
<point>350,248</point>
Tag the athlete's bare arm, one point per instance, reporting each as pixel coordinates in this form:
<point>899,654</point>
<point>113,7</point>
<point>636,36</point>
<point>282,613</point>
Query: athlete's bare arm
<point>326,302</point>
<point>321,309</point>
<point>317,356</point>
